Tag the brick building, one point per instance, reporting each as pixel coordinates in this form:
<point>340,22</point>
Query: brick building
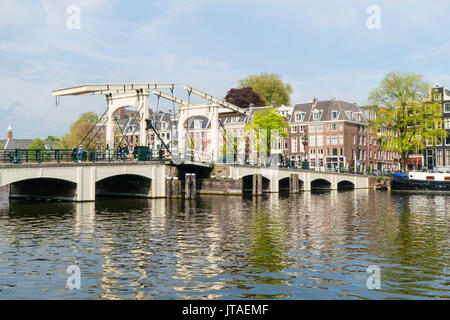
<point>334,134</point>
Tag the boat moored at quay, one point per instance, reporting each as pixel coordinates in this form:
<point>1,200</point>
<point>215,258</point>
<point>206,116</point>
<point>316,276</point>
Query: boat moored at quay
<point>421,181</point>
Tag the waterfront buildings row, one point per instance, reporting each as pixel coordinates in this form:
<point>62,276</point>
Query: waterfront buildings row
<point>330,134</point>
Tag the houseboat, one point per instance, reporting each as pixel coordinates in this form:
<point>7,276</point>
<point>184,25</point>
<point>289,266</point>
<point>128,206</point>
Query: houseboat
<point>421,181</point>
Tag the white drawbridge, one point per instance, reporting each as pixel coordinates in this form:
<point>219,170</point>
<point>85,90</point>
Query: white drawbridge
<point>119,96</point>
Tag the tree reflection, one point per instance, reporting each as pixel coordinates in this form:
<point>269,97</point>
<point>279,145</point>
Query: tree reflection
<point>413,248</point>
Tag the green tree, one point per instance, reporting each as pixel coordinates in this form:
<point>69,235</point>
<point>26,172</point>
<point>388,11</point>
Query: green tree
<point>406,116</point>
<point>263,123</point>
<point>269,86</point>
<point>79,129</point>
<point>37,144</point>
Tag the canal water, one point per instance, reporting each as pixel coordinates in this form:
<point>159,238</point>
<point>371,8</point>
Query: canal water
<point>305,246</point>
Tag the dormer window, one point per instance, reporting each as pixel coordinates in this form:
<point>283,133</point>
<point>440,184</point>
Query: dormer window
<point>349,115</point>
<point>317,114</point>
<point>334,114</point>
<point>299,116</point>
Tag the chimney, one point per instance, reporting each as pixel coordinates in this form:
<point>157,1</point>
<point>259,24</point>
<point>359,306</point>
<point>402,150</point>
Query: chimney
<point>9,133</point>
<point>314,102</point>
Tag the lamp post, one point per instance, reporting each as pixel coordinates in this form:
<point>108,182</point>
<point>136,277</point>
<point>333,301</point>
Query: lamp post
<point>305,143</point>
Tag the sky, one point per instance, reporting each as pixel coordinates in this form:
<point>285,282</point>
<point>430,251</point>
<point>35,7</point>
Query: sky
<point>325,49</point>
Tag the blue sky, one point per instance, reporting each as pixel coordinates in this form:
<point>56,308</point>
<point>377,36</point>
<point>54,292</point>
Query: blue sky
<point>323,49</point>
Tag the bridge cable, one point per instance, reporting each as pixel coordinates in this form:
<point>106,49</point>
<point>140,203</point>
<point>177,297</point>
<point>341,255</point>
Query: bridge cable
<point>132,122</point>
<point>187,118</point>
<point>227,135</point>
<point>90,130</point>
<point>170,120</point>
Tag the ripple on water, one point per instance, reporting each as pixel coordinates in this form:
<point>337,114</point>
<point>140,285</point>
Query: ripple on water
<point>307,246</point>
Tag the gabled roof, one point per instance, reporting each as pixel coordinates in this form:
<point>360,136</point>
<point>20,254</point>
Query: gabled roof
<point>346,111</point>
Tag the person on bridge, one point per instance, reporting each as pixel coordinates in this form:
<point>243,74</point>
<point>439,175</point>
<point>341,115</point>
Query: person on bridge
<point>119,152</point>
<point>80,154</point>
<point>125,153</point>
<point>74,153</point>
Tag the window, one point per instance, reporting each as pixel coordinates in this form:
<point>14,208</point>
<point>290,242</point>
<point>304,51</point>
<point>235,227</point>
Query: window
<point>319,128</point>
<point>312,141</point>
<point>334,114</point>
<point>317,114</point>
<point>447,107</point>
<point>328,127</point>
<point>294,144</point>
<point>299,116</point>
<point>293,129</point>
<point>447,157</point>
<point>341,139</point>
<point>334,139</point>
<point>168,135</point>
<point>341,127</point>
<point>312,128</point>
<point>328,140</point>
<point>334,127</point>
<point>439,158</point>
<point>447,123</point>
<point>320,140</point>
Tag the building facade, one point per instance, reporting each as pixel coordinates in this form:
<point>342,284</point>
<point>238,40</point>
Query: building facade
<point>438,157</point>
<point>334,135</point>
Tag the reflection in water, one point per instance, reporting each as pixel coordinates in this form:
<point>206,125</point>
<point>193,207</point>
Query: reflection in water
<point>313,245</point>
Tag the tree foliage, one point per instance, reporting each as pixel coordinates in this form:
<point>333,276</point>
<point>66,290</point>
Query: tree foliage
<point>243,97</point>
<point>406,116</point>
<point>37,144</point>
<point>79,129</point>
<point>269,86</point>
<point>263,123</point>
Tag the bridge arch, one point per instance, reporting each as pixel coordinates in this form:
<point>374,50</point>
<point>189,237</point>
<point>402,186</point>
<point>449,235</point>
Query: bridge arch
<point>284,184</point>
<point>124,185</point>
<point>320,184</point>
<point>247,183</point>
<point>345,185</point>
<point>42,188</point>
